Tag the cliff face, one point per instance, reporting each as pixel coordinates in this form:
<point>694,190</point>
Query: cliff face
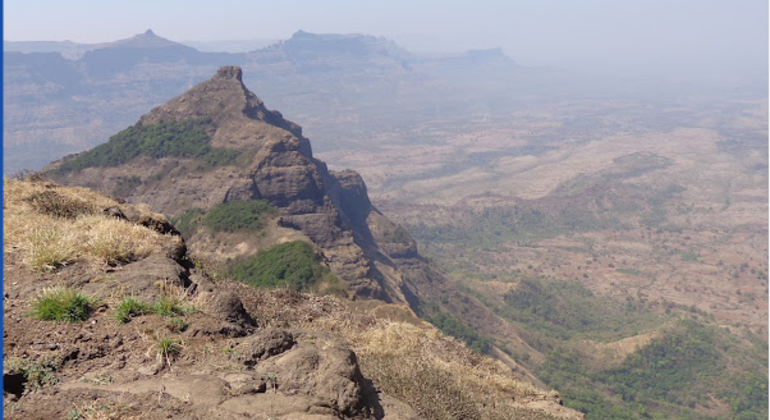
<point>272,161</point>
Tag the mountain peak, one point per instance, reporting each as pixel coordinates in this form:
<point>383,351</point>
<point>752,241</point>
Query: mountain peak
<point>147,39</point>
<point>229,73</point>
<point>222,98</point>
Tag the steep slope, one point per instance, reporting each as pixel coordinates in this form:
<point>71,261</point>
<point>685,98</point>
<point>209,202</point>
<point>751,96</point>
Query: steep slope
<point>106,317</point>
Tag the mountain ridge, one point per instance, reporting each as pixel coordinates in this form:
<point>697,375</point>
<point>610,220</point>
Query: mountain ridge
<point>109,85</point>
<point>375,257</point>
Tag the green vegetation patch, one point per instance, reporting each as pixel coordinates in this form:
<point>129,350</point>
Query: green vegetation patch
<point>187,223</point>
<point>450,325</point>
<point>239,215</point>
<point>667,378</point>
<point>170,307</point>
<point>183,139</point>
<point>63,304</point>
<point>36,373</point>
<point>666,366</point>
<point>291,265</point>
<point>233,216</point>
<point>567,309</point>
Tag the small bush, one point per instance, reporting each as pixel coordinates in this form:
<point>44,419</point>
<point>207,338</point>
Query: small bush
<point>62,304</point>
<point>36,373</point>
<point>233,216</point>
<point>131,307</point>
<point>291,265</point>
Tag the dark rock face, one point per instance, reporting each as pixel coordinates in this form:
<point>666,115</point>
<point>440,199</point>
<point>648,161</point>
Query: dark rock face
<point>229,308</point>
<point>264,345</point>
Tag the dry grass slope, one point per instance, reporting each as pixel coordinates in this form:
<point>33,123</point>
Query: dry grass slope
<point>412,360</point>
<point>52,226</point>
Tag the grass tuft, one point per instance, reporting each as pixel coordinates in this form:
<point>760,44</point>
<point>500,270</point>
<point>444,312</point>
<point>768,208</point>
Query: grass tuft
<point>62,304</point>
<point>51,226</point>
<point>48,247</point>
<point>129,308</point>
<point>168,349</point>
<point>171,306</point>
<point>114,241</point>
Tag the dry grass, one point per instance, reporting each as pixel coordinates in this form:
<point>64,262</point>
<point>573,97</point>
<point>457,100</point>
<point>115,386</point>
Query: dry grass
<point>114,241</point>
<point>53,226</point>
<point>98,410</point>
<point>413,361</point>
<point>409,359</point>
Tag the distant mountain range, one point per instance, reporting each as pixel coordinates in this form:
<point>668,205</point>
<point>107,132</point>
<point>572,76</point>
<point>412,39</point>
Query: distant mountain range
<point>63,97</point>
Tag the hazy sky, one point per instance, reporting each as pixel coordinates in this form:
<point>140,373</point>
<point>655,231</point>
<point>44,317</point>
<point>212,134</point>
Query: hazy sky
<point>622,33</point>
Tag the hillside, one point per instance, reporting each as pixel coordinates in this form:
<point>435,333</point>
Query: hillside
<point>107,315</point>
<point>598,227</point>
<point>586,241</point>
<point>239,180</point>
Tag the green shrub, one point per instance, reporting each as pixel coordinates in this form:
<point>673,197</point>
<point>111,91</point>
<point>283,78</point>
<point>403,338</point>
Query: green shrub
<point>62,304</point>
<point>232,216</point>
<point>131,307</point>
<point>37,373</point>
<point>291,265</point>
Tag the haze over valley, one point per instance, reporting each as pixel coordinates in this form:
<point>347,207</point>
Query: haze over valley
<point>599,226</point>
